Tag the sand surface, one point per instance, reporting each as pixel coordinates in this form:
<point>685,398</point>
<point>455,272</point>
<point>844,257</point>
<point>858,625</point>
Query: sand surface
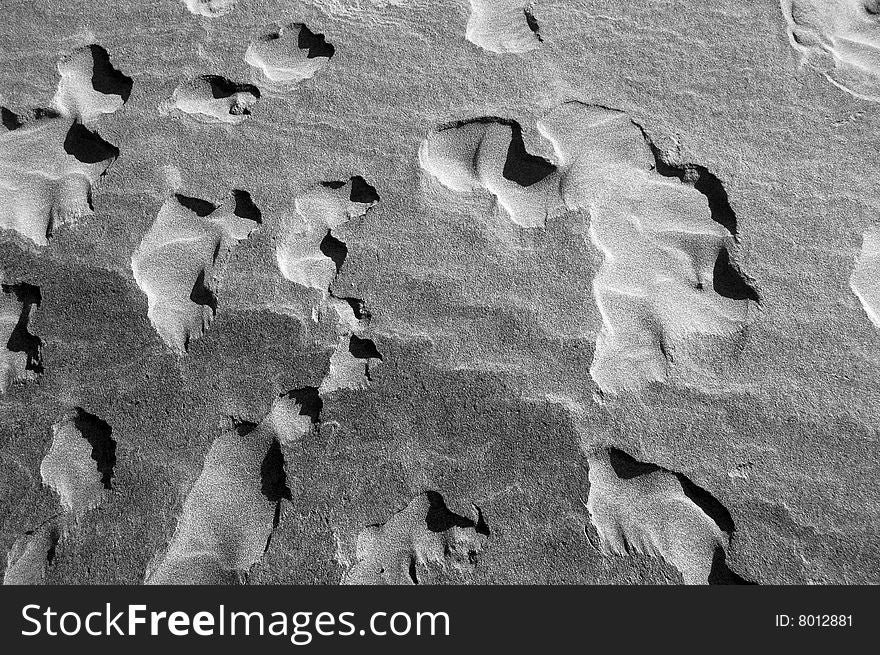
<point>411,292</point>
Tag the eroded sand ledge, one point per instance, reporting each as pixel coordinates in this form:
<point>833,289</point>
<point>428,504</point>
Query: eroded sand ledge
<point>50,165</point>
<point>645,509</point>
<point>233,507</point>
<point>657,286</point>
<point>179,263</point>
<point>840,39</point>
<point>415,546</point>
<point>667,276</point>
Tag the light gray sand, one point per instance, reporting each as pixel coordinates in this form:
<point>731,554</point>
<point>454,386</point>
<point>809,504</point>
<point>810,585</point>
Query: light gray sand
<point>595,227</point>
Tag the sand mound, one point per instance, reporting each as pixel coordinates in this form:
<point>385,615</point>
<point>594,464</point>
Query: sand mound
<point>233,507</point>
<point>48,166</point>
<point>865,280</point>
<point>79,468</point>
<point>209,8</point>
<point>419,544</point>
<point>21,358</point>
<point>288,55</point>
<point>350,364</point>
<point>179,262</point>
<point>213,99</point>
<point>296,415</point>
<point>642,508</point>
<point>32,554</point>
<point>354,355</point>
<point>839,38</point>
<point>79,465</point>
<point>664,253</point>
<point>306,250</point>
<point>309,254</point>
<point>47,170</point>
<point>502,26</point>
<point>90,86</point>
<point>490,154</point>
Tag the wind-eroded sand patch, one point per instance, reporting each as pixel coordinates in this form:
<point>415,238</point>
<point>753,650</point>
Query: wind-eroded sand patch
<point>235,504</point>
<point>309,254</point>
<point>31,554</point>
<point>48,168</point>
<point>79,464</point>
<point>865,279</point>
<point>839,38</point>
<point>49,165</point>
<point>79,469</point>
<point>286,56</point>
<point>21,357</point>
<point>503,26</point>
<point>209,8</point>
<point>179,262</point>
<point>90,86</point>
<point>306,250</point>
<point>419,544</point>
<point>642,508</point>
<point>213,99</point>
<point>664,279</point>
<point>489,153</point>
